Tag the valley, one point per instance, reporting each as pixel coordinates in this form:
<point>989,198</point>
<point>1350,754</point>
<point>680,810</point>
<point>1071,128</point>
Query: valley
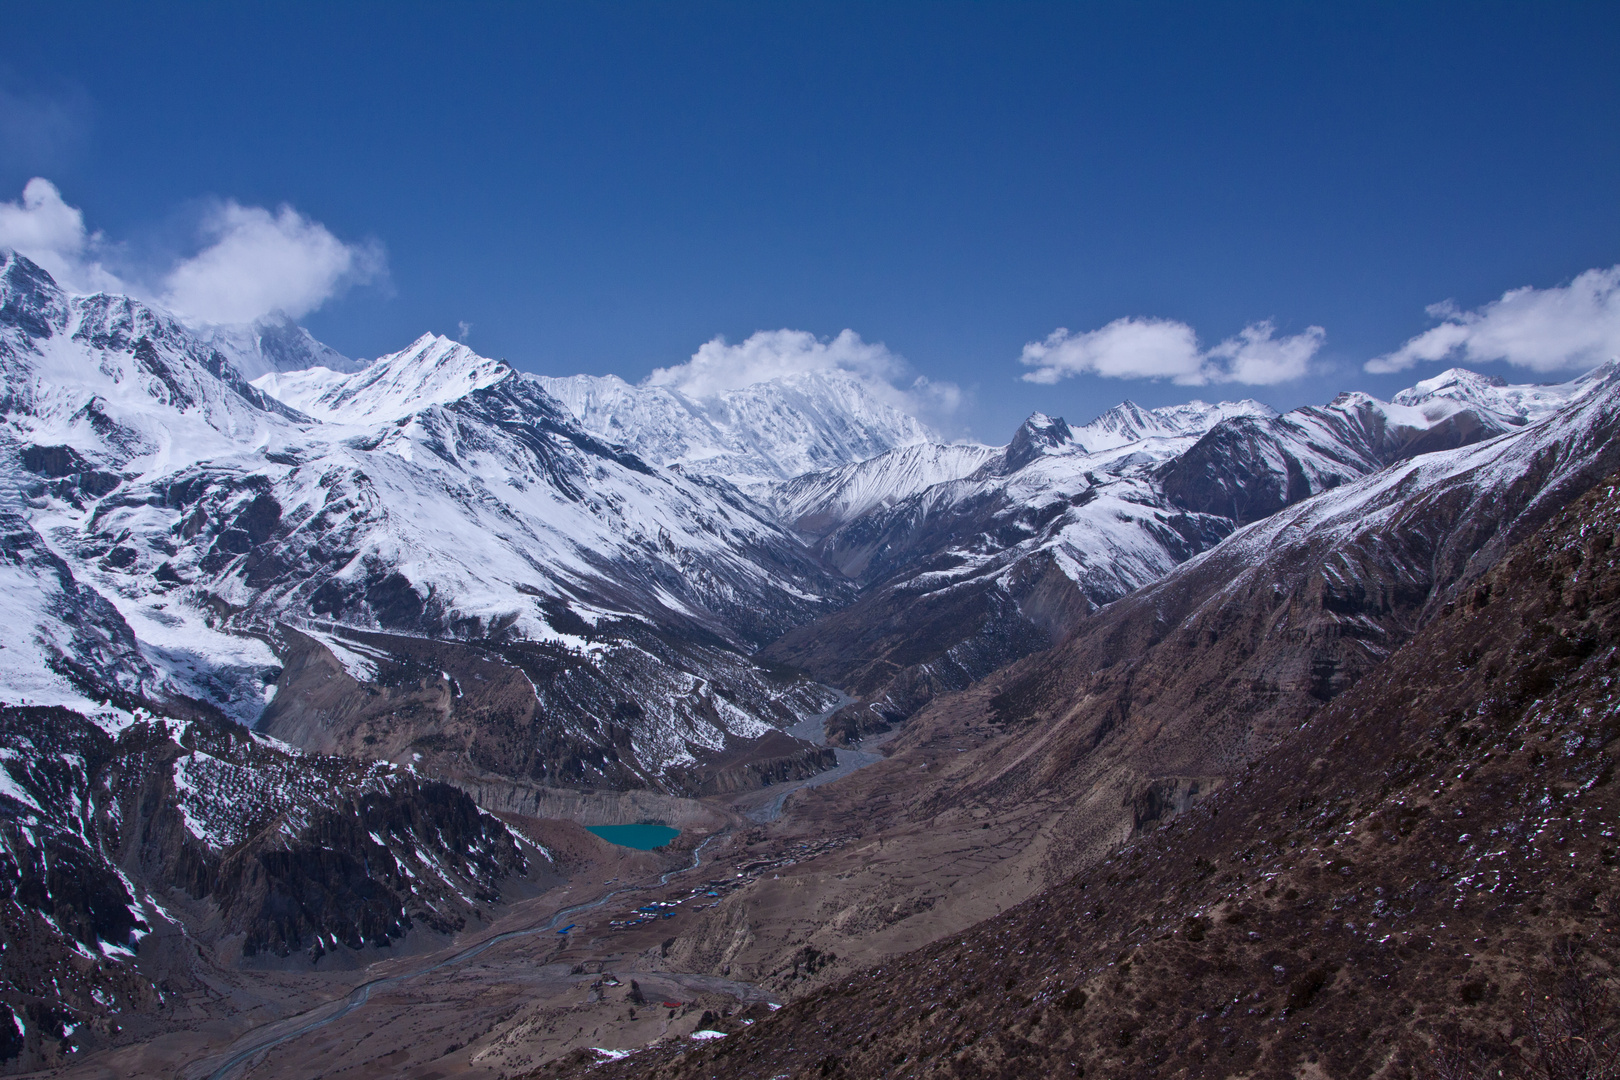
<point>318,685</point>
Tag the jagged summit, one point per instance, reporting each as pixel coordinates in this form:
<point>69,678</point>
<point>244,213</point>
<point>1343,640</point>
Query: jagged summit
<point>1128,422</point>
<point>1451,379</point>
<point>432,370</point>
<point>274,343</point>
<point>1515,403</point>
<point>1035,436</point>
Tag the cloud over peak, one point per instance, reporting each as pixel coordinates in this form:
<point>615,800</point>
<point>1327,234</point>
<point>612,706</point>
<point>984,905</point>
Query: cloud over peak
<point>257,262</point>
<point>44,228</point>
<point>1564,327</point>
<point>252,262</point>
<point>718,366</point>
<point>1133,348</point>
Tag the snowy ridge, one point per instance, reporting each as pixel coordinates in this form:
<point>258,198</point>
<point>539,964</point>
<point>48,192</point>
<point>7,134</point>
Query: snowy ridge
<point>970,573</point>
<point>274,344</point>
<point>435,493</point>
<point>1128,422</point>
<point>770,431</point>
<point>1249,468</point>
<point>1561,451</point>
<point>816,502</point>
<point>1126,435</point>
<point>1489,392</point>
<point>432,370</point>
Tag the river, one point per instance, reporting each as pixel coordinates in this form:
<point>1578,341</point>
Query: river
<point>268,1037</point>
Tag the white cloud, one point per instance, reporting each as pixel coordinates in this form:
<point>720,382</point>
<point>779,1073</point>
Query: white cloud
<point>44,228</point>
<point>258,262</point>
<point>1568,326</point>
<point>769,354</point>
<point>1259,358</point>
<point>718,366</point>
<point>253,262</point>
<point>1165,349</point>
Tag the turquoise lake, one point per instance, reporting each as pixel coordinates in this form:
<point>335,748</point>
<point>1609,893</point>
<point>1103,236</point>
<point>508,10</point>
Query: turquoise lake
<point>640,837</point>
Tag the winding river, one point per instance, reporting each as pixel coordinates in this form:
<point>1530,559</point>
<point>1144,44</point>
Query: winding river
<point>274,1034</point>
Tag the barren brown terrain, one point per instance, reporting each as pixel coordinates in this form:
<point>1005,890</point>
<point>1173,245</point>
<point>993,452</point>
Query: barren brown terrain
<point>1420,882</point>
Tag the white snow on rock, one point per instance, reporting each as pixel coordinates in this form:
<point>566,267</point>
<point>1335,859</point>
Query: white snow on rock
<point>274,344</point>
<point>816,502</point>
<point>432,370</point>
<point>1128,422</point>
<point>183,512</point>
<point>770,431</point>
<point>1490,392</point>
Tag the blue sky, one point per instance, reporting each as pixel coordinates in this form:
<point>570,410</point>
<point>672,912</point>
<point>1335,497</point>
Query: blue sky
<point>603,188</point>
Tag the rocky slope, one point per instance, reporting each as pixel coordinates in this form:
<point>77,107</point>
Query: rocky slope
<point>138,851</point>
<point>1156,701</point>
<point>965,575</point>
<point>1192,677</point>
<point>1419,881</point>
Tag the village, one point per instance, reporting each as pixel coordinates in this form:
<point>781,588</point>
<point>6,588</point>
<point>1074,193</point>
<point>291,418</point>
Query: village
<point>710,893</point>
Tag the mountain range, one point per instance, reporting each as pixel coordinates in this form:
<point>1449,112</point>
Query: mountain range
<point>307,656</point>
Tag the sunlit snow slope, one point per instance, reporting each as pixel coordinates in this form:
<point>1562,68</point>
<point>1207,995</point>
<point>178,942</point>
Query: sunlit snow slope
<point>433,494</point>
<point>770,431</point>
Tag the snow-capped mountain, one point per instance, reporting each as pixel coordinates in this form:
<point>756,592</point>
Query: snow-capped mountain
<point>1491,393</point>
<point>970,573</point>
<point>767,432</point>
<point>1202,671</point>
<point>816,503</point>
<point>271,344</point>
<point>1249,468</point>
<point>181,547</point>
<point>432,370</point>
<point>432,575</point>
<point>435,493</point>
<point>1128,422</point>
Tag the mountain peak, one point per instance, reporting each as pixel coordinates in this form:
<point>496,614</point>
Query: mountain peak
<point>1034,437</point>
<point>432,370</point>
<point>274,343</point>
<point>30,298</point>
<point>1128,422</point>
<point>766,432</point>
<point>1518,403</point>
<point>1452,379</point>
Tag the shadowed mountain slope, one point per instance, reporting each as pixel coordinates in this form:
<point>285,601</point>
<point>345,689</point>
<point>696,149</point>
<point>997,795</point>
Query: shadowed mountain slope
<point>969,574</point>
<point>1420,881</point>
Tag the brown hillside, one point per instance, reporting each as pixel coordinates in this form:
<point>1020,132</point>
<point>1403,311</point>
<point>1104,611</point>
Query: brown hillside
<point>1430,862</point>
